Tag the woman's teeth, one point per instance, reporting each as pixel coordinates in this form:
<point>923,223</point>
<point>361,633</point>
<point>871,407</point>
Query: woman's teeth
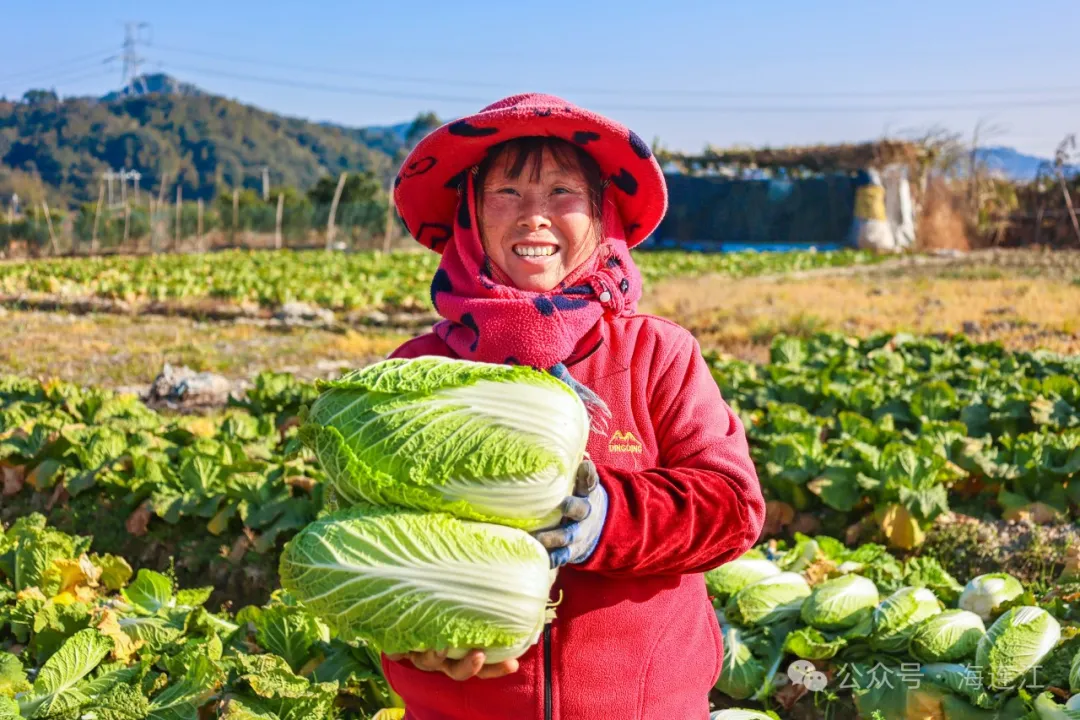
<point>535,251</point>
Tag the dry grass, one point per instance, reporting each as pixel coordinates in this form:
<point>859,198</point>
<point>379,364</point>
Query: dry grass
<point>1023,313</point>
<point>120,351</point>
<point>941,223</point>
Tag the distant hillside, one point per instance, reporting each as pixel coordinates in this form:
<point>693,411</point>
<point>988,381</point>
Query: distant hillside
<point>59,149</point>
<point>1014,164</point>
<point>209,142</point>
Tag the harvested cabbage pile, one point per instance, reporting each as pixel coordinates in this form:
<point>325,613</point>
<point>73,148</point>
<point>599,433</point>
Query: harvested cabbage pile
<point>440,468</point>
<point>890,639</point>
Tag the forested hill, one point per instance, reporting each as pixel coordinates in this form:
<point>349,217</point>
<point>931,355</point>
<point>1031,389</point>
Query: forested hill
<point>209,142</point>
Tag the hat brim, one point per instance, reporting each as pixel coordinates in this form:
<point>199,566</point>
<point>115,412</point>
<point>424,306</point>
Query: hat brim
<point>427,185</point>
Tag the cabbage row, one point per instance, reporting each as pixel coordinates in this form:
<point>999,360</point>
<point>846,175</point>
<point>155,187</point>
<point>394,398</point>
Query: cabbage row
<point>827,625</point>
<point>80,637</point>
<point>342,282</point>
<point>901,430</point>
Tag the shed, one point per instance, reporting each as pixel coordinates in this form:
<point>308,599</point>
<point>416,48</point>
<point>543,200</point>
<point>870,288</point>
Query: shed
<point>824,196</point>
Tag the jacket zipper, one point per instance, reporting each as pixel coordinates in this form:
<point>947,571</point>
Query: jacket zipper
<point>547,673</point>
<point>570,362</point>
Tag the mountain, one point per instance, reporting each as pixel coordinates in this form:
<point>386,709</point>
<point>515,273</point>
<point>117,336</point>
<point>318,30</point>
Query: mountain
<point>177,131</point>
<point>390,139</point>
<point>1014,164</point>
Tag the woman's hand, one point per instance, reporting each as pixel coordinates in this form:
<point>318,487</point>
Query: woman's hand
<point>472,665</point>
<point>584,513</point>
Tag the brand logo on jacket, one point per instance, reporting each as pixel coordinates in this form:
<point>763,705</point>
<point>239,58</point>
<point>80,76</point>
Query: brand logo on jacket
<point>623,441</point>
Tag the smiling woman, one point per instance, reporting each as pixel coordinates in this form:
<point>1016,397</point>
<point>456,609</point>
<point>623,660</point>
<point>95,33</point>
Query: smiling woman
<point>538,201</point>
<point>537,204</point>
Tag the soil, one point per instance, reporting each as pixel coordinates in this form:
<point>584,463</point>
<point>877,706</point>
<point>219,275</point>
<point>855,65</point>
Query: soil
<point>968,547</point>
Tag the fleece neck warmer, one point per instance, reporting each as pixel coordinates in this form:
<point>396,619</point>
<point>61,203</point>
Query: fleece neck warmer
<point>489,320</point>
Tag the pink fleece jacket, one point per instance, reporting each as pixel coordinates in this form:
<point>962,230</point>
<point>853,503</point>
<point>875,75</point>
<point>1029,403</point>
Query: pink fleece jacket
<point>635,637</point>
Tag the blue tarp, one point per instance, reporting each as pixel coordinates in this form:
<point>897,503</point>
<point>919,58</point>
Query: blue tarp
<point>723,213</point>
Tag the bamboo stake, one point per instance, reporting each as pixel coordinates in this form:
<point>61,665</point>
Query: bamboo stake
<point>277,221</point>
<point>157,209</point>
<point>179,210</point>
<point>97,216</point>
<point>235,215</point>
<point>333,211</point>
<point>388,232</point>
<point>52,235</point>
<point>150,221</point>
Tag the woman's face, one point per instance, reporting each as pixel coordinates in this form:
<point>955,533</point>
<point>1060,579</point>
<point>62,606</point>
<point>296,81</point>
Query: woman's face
<point>537,227</point>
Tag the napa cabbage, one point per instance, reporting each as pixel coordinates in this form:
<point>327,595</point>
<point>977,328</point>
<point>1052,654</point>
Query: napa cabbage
<point>494,443</point>
<point>811,644</point>
<point>730,578</point>
<point>410,581</point>
<point>741,674</point>
<point>895,619</point>
<point>1015,644</point>
<point>985,594</point>
<point>840,603</point>
<point>947,638</point>
<point>963,680</point>
<point>1046,708</point>
<point>769,600</point>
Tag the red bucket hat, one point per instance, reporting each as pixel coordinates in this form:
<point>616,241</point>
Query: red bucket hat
<point>427,185</point>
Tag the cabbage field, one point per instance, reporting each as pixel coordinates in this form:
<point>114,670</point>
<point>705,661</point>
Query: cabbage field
<point>251,562</point>
<point>85,636</point>
<point>336,281</point>
<point>887,433</point>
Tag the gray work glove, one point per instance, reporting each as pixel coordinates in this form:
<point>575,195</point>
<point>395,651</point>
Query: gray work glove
<point>584,513</point>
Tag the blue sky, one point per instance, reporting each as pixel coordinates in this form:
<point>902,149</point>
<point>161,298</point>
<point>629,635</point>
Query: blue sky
<point>753,72</point>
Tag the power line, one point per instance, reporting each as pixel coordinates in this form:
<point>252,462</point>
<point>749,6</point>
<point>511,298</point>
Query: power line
<point>303,85</point>
<point>88,76</point>
<point>102,56</point>
<point>733,94</point>
<point>738,109</point>
<point>69,78</point>
<point>329,71</point>
<point>131,68</point>
<point>797,109</point>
